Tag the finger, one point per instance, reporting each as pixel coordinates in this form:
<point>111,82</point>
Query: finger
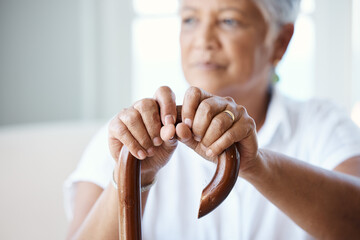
<point>170,145</point>
<point>192,99</point>
<point>241,130</point>
<point>149,111</point>
<point>185,136</point>
<point>115,144</point>
<point>167,132</point>
<point>205,113</point>
<point>135,136</point>
<point>220,124</point>
<point>166,100</point>
<point>119,135</point>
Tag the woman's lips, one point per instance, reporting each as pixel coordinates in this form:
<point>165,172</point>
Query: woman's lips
<point>209,66</point>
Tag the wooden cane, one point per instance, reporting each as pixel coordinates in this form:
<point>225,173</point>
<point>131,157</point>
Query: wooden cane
<point>128,181</point>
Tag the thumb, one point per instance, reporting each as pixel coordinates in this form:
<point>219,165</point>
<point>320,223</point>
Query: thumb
<point>184,135</point>
<point>170,145</point>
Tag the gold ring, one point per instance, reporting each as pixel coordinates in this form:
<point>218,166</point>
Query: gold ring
<point>230,114</point>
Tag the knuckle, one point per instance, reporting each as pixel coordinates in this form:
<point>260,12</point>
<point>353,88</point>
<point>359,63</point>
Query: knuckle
<point>144,104</point>
<point>205,110</point>
<point>241,111</point>
<point>230,99</point>
<point>120,131</point>
<point>164,89</point>
<point>231,136</point>
<point>161,90</point>
<point>120,115</point>
<point>168,106</point>
<point>252,123</point>
<point>155,118</point>
<point>113,125</point>
<point>215,147</point>
<point>218,123</point>
<point>252,126</point>
<point>113,128</point>
<point>132,145</point>
<point>193,92</point>
<point>145,142</point>
<point>131,117</point>
<point>205,107</point>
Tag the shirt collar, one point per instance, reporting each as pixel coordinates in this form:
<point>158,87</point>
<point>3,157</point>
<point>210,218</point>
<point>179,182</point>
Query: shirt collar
<point>277,120</point>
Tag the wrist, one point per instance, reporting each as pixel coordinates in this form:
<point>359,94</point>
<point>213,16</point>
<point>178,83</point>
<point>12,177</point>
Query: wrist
<point>256,168</point>
<point>148,178</point>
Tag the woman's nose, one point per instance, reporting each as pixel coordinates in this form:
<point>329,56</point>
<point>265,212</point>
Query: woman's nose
<point>206,38</point>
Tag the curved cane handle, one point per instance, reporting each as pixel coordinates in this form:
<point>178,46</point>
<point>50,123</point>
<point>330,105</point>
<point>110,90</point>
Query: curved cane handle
<point>130,195</point>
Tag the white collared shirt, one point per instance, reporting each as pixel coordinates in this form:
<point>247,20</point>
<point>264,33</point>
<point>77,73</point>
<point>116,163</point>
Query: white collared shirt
<point>314,131</point>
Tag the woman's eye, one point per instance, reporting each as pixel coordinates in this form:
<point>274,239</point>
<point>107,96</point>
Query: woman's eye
<point>189,20</point>
<point>229,22</point>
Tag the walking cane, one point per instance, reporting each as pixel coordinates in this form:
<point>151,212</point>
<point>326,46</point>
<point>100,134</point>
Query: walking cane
<point>128,181</point>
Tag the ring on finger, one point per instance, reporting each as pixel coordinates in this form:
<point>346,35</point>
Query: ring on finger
<point>228,112</point>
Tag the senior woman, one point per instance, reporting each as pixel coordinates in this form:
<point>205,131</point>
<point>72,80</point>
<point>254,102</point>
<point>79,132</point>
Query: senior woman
<point>300,161</point>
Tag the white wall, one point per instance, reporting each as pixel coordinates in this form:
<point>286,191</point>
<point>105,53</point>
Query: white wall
<point>105,36</point>
<point>39,61</point>
<point>63,60</point>
<point>334,48</point>
<point>34,162</point>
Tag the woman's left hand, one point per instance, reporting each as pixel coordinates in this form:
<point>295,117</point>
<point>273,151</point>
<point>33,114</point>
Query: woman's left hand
<point>209,130</point>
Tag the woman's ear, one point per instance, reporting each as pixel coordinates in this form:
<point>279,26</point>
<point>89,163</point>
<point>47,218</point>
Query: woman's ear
<point>282,41</point>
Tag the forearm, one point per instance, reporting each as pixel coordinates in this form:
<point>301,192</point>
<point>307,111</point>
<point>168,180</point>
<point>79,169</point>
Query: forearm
<point>102,220</point>
<point>324,203</point>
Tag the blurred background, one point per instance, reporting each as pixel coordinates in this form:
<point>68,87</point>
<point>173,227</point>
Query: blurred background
<point>66,67</point>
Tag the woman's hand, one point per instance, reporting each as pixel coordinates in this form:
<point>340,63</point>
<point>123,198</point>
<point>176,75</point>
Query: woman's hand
<point>209,130</point>
<point>140,129</point>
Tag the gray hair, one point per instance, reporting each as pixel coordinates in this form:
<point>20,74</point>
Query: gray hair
<point>278,13</point>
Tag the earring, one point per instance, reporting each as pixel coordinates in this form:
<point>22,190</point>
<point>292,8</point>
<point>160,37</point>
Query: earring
<point>275,77</point>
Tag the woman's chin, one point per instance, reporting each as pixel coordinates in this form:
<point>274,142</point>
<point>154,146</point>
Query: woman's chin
<point>214,87</point>
<point>210,84</point>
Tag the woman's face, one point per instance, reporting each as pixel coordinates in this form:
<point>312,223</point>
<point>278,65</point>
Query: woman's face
<point>223,45</point>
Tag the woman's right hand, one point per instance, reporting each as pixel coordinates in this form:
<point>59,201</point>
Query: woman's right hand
<point>147,129</point>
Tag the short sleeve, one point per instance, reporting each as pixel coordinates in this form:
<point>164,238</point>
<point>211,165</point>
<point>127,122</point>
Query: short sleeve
<point>95,166</point>
<point>335,137</point>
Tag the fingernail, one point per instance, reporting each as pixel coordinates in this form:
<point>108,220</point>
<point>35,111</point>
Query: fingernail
<point>172,140</point>
<point>197,138</point>
<point>157,141</point>
<point>209,153</point>
<point>203,147</point>
<point>150,151</point>
<point>169,120</point>
<point>141,154</point>
<point>188,122</point>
